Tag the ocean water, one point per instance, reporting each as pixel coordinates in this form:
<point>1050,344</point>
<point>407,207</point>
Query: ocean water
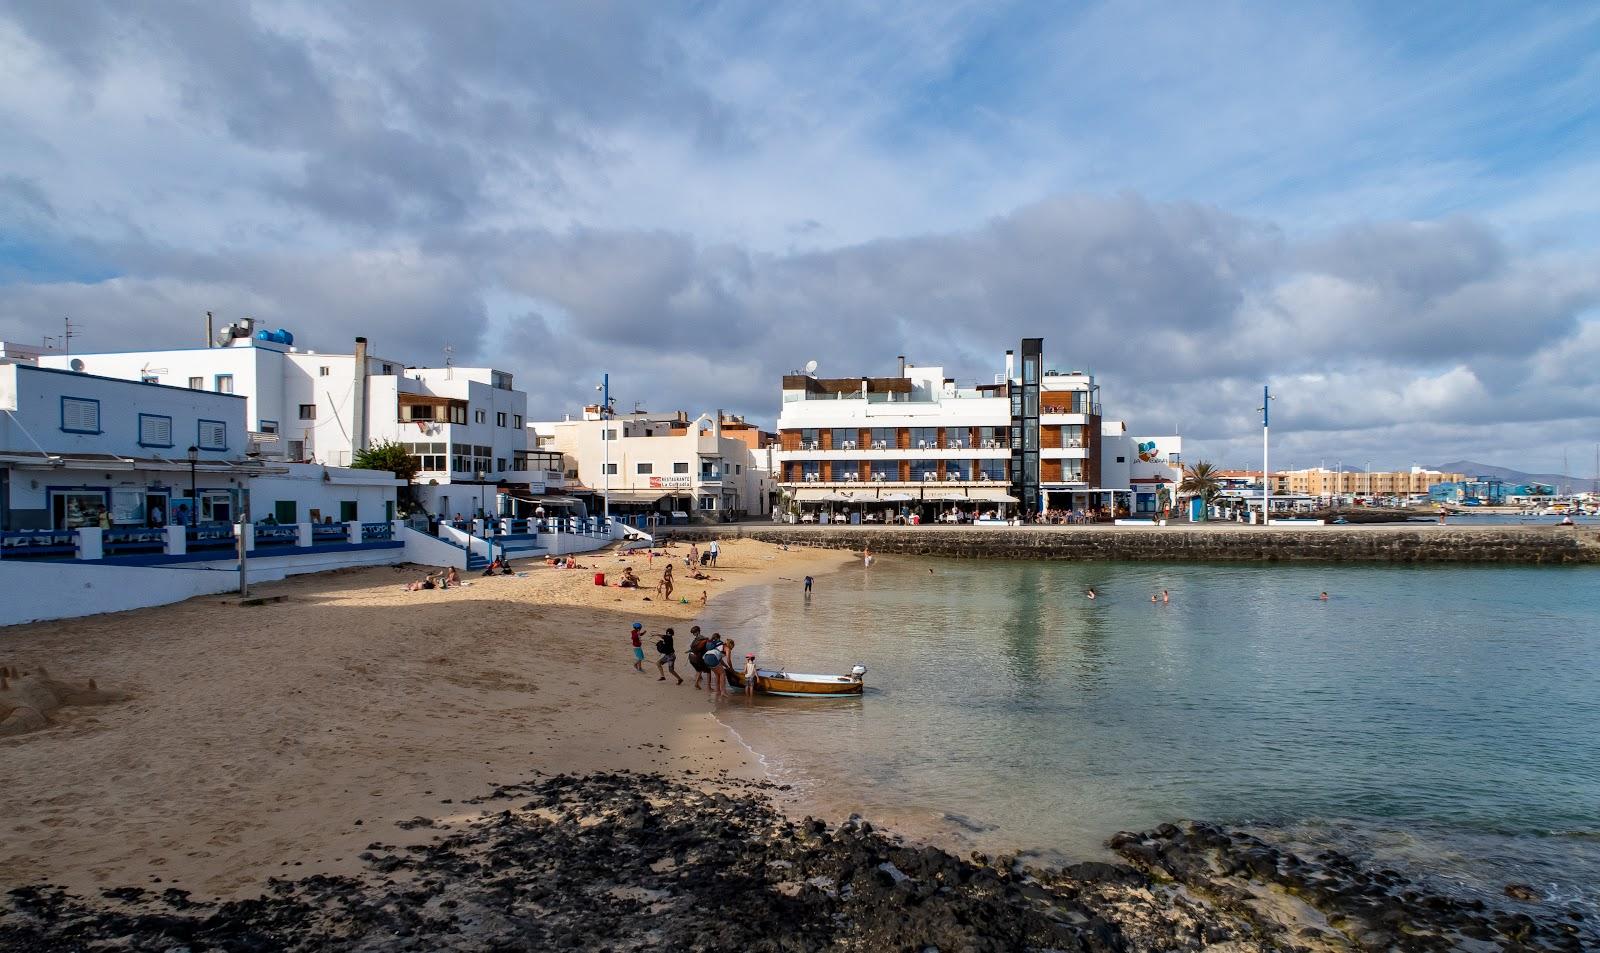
<point>1444,720</point>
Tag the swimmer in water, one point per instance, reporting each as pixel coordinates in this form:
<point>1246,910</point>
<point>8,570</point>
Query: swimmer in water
<point>1164,597</point>
<point>1153,599</point>
<point>1090,594</point>
<point>1323,597</point>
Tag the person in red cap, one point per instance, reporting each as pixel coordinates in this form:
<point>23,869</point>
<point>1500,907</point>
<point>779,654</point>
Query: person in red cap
<point>638,647</point>
<point>749,674</point>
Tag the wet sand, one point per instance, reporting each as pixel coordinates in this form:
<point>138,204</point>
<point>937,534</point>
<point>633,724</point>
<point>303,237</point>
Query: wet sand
<point>281,739</point>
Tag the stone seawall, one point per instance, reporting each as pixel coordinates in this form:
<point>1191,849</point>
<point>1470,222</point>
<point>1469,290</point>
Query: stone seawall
<point>1527,545</point>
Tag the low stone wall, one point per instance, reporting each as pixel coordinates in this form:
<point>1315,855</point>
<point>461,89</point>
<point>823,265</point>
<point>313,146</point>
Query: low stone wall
<point>1398,544</point>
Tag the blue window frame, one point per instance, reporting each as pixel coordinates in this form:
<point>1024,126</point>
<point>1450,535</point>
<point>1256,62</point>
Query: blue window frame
<point>269,426</point>
<point>80,415</point>
<point>212,435</point>
<point>155,430</point>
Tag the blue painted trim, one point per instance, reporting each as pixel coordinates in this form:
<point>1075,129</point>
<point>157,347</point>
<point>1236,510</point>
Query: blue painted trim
<point>263,425</point>
<point>87,400</point>
<point>167,445</point>
<point>199,431</point>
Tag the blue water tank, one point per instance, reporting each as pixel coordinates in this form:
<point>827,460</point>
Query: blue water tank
<point>279,336</point>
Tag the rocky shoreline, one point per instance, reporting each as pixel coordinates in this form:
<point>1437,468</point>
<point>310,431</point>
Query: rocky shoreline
<point>625,862</point>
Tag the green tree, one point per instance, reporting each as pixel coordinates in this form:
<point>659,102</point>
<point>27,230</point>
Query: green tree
<point>1200,479</point>
<point>387,455</point>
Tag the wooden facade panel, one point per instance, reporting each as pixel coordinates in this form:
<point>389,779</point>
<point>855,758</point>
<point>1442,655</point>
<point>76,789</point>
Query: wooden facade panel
<point>1050,471</point>
<point>1050,438</point>
<point>789,439</point>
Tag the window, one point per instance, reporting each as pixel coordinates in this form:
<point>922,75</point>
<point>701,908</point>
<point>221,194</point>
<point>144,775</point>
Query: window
<point>924,438</point>
<point>269,426</point>
<point>924,469</point>
<point>645,469</point>
<point>516,421</point>
<point>197,383</point>
<point>1122,459</point>
<point>428,456</point>
<point>709,469</point>
<point>994,469</point>
<point>347,511</point>
<point>297,451</point>
<point>608,434</point>
<point>213,435</point>
<point>845,438</point>
<point>810,469</point>
<point>611,469</point>
<point>323,371</point>
<point>738,469</point>
<point>883,470</point>
<point>155,430</point>
<point>500,419</point>
<point>708,502</point>
<point>308,411</point>
<point>680,467</point>
<point>885,438</point>
<point>458,413</point>
<point>480,416</point>
<point>224,383</point>
<point>80,415</point>
<point>500,380</point>
<point>388,369</point>
<point>500,464</point>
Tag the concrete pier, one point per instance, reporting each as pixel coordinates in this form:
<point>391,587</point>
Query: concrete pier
<point>1420,543</point>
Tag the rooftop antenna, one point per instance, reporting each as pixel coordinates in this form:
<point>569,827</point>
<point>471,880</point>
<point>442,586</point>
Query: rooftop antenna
<point>449,361</point>
<point>67,336</point>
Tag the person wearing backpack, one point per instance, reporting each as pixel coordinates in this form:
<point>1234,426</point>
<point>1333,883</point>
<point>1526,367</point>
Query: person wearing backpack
<point>697,648</point>
<point>668,662</point>
<point>712,659</point>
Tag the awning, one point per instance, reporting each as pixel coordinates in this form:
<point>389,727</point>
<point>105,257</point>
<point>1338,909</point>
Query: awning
<point>980,495</point>
<point>817,494</point>
<point>636,496</point>
<point>945,496</point>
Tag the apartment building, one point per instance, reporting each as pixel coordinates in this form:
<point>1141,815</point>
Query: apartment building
<point>1029,442</point>
<point>661,463</point>
<point>1320,481</point>
<point>464,426</point>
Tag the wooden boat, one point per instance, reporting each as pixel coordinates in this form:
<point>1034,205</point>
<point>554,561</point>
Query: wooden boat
<point>803,685</point>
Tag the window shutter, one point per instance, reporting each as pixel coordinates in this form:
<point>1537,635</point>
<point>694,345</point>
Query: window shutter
<point>80,415</point>
<point>155,431</point>
<point>213,435</point>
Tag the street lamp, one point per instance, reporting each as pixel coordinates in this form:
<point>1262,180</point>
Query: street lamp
<point>194,499</point>
<point>1266,471</point>
<point>604,387</point>
<point>483,513</point>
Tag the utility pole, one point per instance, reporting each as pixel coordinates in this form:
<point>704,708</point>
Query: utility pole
<point>605,440</point>
<point>244,527</point>
<point>1266,469</point>
<point>67,335</point>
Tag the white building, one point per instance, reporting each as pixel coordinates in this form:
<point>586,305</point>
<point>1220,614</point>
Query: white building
<point>464,426</point>
<point>74,446</point>
<point>661,464</point>
<point>919,441</point>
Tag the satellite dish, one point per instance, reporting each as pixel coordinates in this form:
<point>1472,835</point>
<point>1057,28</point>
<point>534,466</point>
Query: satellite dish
<point>811,367</point>
<point>77,364</point>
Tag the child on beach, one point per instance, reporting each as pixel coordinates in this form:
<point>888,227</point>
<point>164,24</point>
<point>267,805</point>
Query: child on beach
<point>668,662</point>
<point>638,647</point>
<point>749,675</point>
<point>702,598</point>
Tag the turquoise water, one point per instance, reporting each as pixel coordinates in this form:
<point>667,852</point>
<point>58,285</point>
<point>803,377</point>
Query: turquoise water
<point>1443,719</point>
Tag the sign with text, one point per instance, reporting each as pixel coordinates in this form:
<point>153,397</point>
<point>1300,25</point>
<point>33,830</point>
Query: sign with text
<point>669,483</point>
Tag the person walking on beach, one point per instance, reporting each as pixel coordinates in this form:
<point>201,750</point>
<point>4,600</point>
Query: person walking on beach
<point>808,585</point>
<point>638,647</point>
<point>715,550</point>
<point>664,589</point>
<point>668,662</point>
<point>693,556</point>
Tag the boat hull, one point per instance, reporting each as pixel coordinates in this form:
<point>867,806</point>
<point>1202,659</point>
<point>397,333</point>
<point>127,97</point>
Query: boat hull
<point>797,685</point>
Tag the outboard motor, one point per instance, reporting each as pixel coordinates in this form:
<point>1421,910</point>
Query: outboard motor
<point>858,670</point>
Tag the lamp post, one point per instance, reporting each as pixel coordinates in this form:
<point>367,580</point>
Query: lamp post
<point>1266,470</point>
<point>194,498</point>
<point>604,387</point>
<point>483,514</point>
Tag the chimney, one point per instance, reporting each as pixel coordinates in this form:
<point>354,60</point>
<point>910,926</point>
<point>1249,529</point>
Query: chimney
<point>358,423</point>
<point>211,334</point>
<point>902,365</point>
<point>1011,365</point>
<point>716,428</point>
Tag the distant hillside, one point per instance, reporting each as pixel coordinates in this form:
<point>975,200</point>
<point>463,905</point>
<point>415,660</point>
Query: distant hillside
<point>1576,483</point>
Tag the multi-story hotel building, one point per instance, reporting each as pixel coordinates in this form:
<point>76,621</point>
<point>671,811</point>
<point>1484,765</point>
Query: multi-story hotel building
<point>1029,441</point>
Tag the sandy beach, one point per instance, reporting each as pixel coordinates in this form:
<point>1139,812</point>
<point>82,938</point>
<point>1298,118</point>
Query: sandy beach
<point>283,738</point>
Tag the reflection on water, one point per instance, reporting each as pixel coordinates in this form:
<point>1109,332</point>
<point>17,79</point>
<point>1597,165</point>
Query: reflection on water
<point>1458,706</point>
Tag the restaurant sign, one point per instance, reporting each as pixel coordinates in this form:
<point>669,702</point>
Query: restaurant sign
<point>669,483</point>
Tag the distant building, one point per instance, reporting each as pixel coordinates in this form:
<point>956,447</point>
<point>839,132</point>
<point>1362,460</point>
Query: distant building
<point>1028,442</point>
<point>660,464</point>
<point>1320,481</point>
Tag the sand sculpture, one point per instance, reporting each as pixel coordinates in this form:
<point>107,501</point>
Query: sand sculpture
<point>28,698</point>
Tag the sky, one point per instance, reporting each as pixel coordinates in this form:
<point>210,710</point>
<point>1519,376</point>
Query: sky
<point>1389,212</point>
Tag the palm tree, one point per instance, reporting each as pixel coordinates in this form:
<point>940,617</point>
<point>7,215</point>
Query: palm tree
<point>1200,479</point>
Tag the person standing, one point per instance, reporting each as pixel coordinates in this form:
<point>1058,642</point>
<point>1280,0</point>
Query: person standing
<point>668,662</point>
<point>697,648</point>
<point>157,518</point>
<point>638,647</point>
<point>749,676</point>
<point>726,667</point>
<point>712,658</point>
<point>808,585</point>
<point>665,589</point>
<point>715,549</point>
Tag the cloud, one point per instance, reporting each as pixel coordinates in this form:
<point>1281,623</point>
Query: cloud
<point>699,198</point>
